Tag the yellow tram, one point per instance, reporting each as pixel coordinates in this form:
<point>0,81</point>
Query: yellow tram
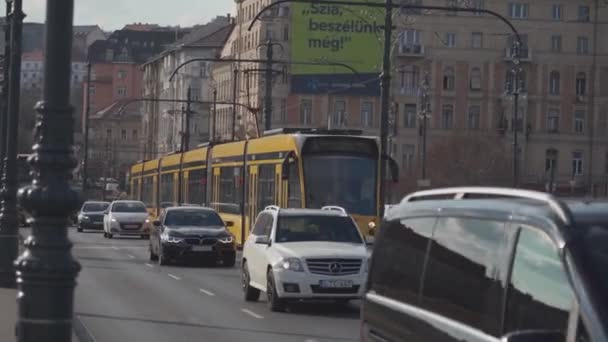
<point>293,168</point>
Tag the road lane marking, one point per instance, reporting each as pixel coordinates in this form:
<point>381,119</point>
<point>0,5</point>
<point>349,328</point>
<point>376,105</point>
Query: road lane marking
<point>208,293</point>
<point>174,277</point>
<point>150,265</point>
<point>252,314</point>
<point>131,256</point>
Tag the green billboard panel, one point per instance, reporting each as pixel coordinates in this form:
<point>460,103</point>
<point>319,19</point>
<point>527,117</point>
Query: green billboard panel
<point>337,33</point>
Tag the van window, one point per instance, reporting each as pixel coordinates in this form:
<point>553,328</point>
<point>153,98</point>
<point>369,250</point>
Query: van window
<point>406,241</point>
<point>464,273</point>
<point>540,296</point>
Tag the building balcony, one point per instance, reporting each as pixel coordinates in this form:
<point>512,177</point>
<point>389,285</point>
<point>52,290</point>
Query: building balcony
<point>525,54</point>
<point>411,50</point>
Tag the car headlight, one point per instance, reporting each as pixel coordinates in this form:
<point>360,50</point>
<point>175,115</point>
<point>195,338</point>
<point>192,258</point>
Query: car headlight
<point>85,218</point>
<point>226,239</point>
<point>148,221</point>
<point>292,264</point>
<point>170,239</point>
<point>114,220</point>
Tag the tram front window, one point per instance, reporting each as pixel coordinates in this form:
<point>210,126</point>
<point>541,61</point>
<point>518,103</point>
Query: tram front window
<point>345,181</point>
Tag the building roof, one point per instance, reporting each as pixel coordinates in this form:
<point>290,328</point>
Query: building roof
<point>113,111</point>
<point>85,29</point>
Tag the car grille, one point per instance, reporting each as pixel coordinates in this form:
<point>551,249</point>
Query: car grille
<point>203,241</point>
<point>321,290</point>
<point>96,218</point>
<point>334,267</point>
<point>130,226</point>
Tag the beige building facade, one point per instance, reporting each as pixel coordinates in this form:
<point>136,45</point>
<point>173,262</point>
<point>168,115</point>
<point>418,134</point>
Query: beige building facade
<point>563,97</point>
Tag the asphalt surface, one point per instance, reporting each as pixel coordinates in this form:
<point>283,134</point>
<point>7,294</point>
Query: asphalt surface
<point>122,296</point>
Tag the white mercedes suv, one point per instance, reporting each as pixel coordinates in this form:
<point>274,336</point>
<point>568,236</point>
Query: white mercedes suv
<point>298,254</point>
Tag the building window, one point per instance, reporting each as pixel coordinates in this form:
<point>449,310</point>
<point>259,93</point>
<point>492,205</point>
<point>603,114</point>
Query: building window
<point>268,33</point>
<point>579,121</point>
<point>450,39</point>
<point>577,163</point>
<point>518,10</point>
<point>511,83</point>
<point>408,155</point>
<point>448,79</point>
<point>135,135</point>
<point>477,40</point>
<point>122,91</point>
<point>410,42</point>
<point>285,32</point>
<point>581,84</point>
<point>108,133</point>
<point>582,45</point>
<point>557,12</point>
<point>109,55</point>
<point>367,114</point>
<point>554,80</point>
<point>475,79</point>
<point>553,120</point>
<point>551,160</point>
<point>339,118</point>
<point>306,111</point>
<point>123,134</point>
<point>556,43</point>
<point>583,13</point>
<point>122,74</point>
<point>477,4</point>
<point>447,117</point>
<point>409,76</point>
<point>474,117</point>
<point>409,115</point>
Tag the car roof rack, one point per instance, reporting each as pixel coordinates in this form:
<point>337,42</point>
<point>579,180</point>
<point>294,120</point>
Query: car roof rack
<point>459,193</point>
<point>273,207</point>
<point>334,208</point>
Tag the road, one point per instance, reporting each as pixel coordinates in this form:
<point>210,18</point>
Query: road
<point>122,296</point>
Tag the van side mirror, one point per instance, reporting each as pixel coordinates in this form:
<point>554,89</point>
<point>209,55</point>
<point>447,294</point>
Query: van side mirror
<point>262,240</point>
<point>534,336</point>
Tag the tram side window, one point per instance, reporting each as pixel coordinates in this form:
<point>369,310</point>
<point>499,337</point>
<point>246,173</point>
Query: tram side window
<point>166,188</point>
<point>197,186</point>
<point>266,174</point>
<point>148,191</point>
<point>294,193</point>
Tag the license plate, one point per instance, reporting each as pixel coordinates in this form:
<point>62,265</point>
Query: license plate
<point>202,248</point>
<point>336,284</point>
<point>131,226</point>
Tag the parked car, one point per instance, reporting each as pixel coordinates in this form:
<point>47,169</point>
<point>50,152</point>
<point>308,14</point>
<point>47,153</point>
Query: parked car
<point>299,254</point>
<point>481,264</point>
<point>91,215</point>
<point>191,233</point>
<point>130,218</point>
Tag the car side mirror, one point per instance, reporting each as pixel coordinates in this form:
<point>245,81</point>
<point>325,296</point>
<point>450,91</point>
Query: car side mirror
<point>534,336</point>
<point>262,240</point>
<point>156,223</point>
<point>229,224</point>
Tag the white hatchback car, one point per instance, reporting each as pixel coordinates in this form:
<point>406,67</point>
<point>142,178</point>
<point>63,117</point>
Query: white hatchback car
<point>298,254</point>
<point>126,218</point>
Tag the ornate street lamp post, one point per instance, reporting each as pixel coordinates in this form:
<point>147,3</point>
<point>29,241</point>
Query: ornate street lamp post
<point>46,271</point>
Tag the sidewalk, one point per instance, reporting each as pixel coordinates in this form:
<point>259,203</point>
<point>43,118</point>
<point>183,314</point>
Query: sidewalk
<point>8,303</point>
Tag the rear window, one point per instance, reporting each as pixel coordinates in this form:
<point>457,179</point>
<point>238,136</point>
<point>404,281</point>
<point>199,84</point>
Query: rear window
<point>93,207</point>
<point>317,228</point>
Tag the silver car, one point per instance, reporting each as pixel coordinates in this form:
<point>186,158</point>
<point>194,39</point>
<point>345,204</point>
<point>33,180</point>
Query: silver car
<point>126,218</point>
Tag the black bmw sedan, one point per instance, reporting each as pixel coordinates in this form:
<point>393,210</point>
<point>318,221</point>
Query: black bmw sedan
<point>191,234</point>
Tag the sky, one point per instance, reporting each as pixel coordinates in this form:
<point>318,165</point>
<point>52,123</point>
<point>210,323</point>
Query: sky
<point>114,14</point>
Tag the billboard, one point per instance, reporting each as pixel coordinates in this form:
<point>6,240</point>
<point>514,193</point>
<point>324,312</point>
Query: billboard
<point>350,35</point>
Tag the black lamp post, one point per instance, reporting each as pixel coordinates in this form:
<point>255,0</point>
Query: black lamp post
<point>46,271</point>
<point>6,66</point>
<point>8,212</point>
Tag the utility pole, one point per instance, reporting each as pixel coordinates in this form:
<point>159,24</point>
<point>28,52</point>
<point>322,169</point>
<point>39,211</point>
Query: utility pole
<point>187,121</point>
<point>234,94</point>
<point>385,100</point>
<point>214,117</point>
<point>268,87</point>
<point>85,162</point>
<point>516,88</point>
<point>6,66</point>
<point>8,214</point>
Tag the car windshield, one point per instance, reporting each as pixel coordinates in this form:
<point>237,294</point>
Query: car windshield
<point>129,207</point>
<point>94,207</point>
<point>317,228</point>
<point>196,218</point>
